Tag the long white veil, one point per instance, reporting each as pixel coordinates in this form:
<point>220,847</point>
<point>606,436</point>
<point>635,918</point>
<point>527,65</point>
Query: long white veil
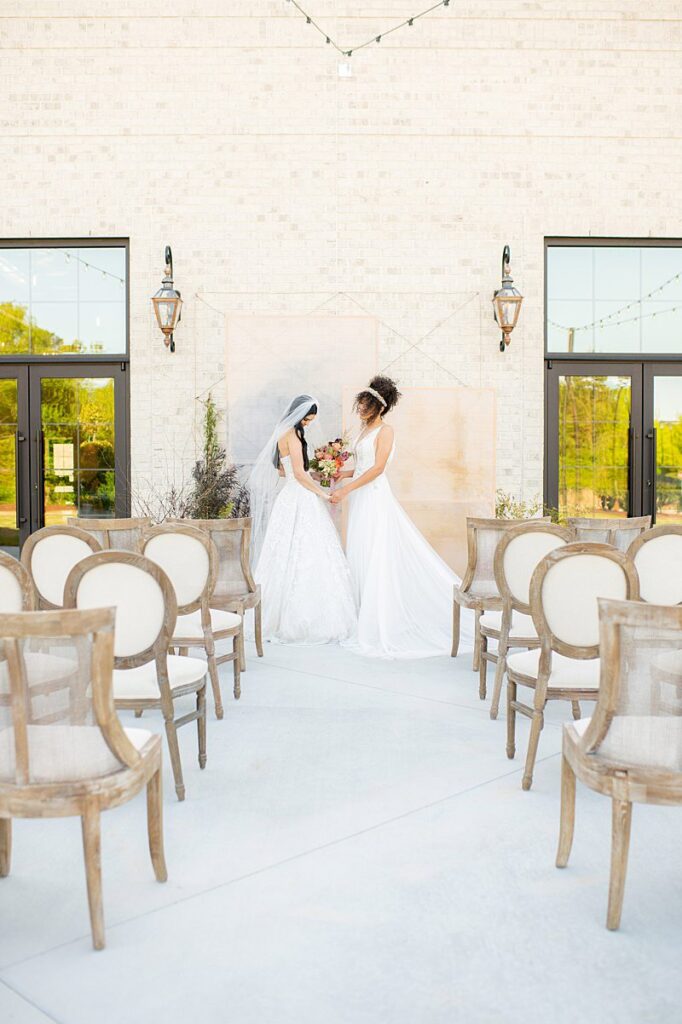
<point>264,478</point>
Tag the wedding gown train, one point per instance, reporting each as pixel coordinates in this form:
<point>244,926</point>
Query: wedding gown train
<point>403,589</point>
<point>304,577</point>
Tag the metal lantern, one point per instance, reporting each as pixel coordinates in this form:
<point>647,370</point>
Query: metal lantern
<point>167,303</point>
<point>506,301</point>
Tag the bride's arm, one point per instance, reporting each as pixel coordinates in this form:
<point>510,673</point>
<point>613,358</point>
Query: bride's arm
<point>384,444</point>
<point>296,453</point>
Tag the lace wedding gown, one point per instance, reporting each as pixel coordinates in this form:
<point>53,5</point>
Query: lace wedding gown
<point>403,589</point>
<point>304,577</point>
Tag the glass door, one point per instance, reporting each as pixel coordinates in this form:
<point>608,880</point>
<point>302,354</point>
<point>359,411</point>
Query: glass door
<point>63,446</point>
<point>14,459</point>
<point>662,492</point>
<point>593,435</point>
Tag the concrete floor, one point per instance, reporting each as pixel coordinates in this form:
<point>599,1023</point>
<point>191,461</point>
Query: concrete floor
<point>358,850</point>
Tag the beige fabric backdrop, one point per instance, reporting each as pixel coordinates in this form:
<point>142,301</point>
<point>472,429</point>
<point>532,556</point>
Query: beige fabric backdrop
<point>444,464</point>
<point>271,359</point>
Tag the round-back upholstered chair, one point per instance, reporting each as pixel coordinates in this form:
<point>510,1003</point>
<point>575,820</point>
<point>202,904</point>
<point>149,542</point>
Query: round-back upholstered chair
<point>16,589</point>
<point>49,555</point>
<point>145,675</point>
<point>620,532</point>
<point>517,555</point>
<point>63,750</point>
<point>564,592</point>
<point>657,555</point>
<point>189,558</point>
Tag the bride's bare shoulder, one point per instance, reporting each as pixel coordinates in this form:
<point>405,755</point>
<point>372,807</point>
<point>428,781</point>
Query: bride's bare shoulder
<point>386,431</point>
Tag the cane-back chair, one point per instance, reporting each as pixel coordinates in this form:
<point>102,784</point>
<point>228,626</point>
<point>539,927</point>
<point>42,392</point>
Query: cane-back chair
<point>629,749</point>
<point>63,750</point>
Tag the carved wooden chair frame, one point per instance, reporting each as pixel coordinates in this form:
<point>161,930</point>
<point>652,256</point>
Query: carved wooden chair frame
<point>624,784</point>
<point>50,531</point>
<point>549,644</point>
<point>157,652</point>
<point>85,798</point>
<point>202,604</point>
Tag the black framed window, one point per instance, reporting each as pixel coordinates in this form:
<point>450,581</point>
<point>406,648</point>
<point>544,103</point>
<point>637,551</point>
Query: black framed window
<point>607,297</point>
<point>64,298</point>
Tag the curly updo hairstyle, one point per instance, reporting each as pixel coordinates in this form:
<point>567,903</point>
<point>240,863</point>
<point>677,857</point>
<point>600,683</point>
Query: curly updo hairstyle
<point>388,390</point>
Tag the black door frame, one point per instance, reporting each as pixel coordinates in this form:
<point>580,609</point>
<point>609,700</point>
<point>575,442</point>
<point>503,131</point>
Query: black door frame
<point>30,449</point>
<point>642,475</point>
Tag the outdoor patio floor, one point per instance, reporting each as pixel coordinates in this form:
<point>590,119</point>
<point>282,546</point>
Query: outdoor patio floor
<point>358,849</point>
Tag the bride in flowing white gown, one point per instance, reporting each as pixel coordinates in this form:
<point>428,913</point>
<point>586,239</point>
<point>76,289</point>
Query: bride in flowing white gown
<point>307,596</point>
<point>403,589</point>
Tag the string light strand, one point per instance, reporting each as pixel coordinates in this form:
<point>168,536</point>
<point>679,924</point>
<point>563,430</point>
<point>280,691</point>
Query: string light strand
<point>600,321</point>
<point>349,51</point>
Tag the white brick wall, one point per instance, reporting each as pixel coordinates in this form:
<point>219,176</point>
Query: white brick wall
<point>225,130</point>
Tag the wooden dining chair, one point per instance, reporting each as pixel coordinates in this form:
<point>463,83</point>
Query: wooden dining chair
<point>189,558</point>
<point>119,534</point>
<point>145,675</point>
<point>16,588</point>
<point>478,591</point>
<point>657,554</point>
<point>235,589</point>
<point>516,558</point>
<point>620,532</point>
<point>629,749</point>
<point>63,750</point>
<point>564,591</point>
<point>49,555</point>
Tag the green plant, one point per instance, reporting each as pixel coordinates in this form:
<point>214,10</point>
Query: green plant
<point>217,492</point>
<point>509,507</point>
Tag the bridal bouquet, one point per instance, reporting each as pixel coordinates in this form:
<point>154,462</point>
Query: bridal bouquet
<point>330,459</point>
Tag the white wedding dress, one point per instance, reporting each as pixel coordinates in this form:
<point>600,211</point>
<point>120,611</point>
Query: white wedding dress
<point>403,589</point>
<point>304,577</point>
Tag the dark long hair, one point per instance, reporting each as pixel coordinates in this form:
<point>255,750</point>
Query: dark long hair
<point>300,432</point>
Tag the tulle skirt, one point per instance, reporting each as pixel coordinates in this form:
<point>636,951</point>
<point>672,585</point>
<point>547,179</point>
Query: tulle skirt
<point>306,589</point>
<point>403,588</point>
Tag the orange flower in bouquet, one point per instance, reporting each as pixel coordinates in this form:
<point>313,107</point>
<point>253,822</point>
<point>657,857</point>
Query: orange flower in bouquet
<point>330,459</point>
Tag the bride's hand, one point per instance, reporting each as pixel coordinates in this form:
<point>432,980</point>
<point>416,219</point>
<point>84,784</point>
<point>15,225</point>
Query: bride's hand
<point>336,498</point>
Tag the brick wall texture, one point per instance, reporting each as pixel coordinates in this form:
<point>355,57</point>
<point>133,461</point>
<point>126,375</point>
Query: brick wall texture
<point>226,130</point>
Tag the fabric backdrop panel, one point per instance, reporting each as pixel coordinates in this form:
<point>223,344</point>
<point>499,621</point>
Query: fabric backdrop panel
<point>444,465</point>
<point>272,358</point>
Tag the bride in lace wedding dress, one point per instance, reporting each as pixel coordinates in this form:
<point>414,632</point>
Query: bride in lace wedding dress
<point>403,589</point>
<point>303,574</point>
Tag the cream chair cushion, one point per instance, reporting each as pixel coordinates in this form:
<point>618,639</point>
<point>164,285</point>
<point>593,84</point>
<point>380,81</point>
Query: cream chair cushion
<point>141,683</point>
<point>65,753</point>
<point>189,626</point>
<point>566,674</point>
<point>521,625</point>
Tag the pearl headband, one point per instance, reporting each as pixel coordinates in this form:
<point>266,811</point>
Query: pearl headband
<point>375,394</point>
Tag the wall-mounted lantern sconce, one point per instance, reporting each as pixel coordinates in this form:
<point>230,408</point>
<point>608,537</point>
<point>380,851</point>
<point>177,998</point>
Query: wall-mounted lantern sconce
<point>506,301</point>
<point>167,303</point>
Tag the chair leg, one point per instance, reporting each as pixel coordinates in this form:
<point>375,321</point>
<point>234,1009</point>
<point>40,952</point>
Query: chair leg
<point>511,719</point>
<point>500,669</point>
<point>621,820</point>
<point>90,823</point>
<point>456,617</point>
<point>567,821</point>
<point>201,725</point>
<point>138,712</point>
<point>155,826</point>
<point>258,619</point>
<point>215,679</point>
<point>536,725</point>
<point>575,705</point>
<point>237,670</point>
<point>477,643</point>
<point>242,649</point>
<point>5,846</point>
<point>483,669</point>
<point>174,750</point>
